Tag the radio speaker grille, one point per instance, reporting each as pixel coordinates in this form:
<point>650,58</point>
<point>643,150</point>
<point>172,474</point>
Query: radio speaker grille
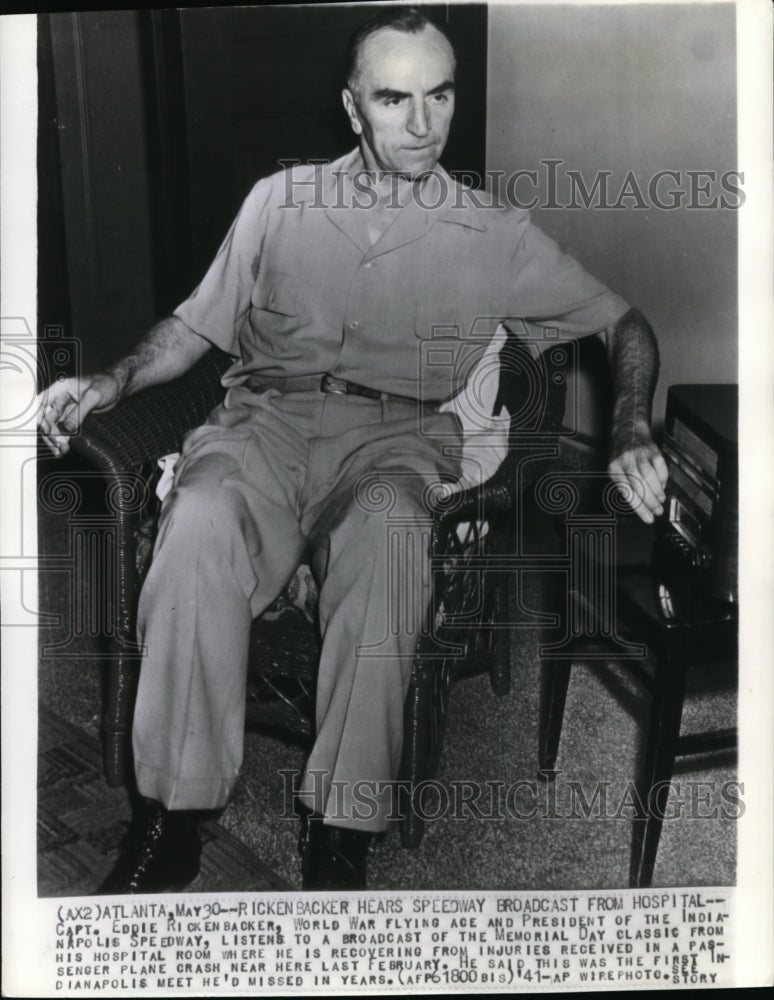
<point>691,489</point>
<point>694,448</point>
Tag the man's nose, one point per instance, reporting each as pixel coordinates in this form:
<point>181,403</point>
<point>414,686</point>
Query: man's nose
<point>418,123</point>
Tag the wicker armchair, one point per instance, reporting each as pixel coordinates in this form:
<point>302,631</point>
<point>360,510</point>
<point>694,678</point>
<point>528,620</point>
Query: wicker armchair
<point>465,631</point>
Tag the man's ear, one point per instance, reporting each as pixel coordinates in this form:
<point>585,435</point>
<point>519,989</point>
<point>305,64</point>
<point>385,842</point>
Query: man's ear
<point>351,108</point>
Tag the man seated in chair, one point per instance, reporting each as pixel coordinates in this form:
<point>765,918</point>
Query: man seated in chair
<point>326,291</point>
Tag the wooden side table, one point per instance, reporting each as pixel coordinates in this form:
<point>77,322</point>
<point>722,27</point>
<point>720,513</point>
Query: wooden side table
<point>658,610</point>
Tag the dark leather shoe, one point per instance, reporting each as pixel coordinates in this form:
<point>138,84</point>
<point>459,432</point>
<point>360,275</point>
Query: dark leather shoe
<point>334,857</point>
<point>161,853</point>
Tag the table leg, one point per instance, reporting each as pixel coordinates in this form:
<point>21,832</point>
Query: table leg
<point>656,769</point>
<point>555,682</point>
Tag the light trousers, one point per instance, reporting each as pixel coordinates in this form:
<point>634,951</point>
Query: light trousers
<point>269,482</point>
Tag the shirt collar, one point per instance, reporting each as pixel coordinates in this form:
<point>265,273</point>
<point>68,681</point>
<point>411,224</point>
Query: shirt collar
<point>448,201</point>
<point>440,197</point>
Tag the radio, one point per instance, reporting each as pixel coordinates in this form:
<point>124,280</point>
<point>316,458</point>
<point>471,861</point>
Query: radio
<point>701,523</point>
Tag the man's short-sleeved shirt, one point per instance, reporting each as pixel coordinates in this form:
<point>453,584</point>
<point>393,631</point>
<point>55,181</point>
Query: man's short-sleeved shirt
<point>298,289</point>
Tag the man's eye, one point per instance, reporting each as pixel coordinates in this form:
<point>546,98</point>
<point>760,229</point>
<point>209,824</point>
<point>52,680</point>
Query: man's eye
<point>440,98</point>
<point>392,102</point>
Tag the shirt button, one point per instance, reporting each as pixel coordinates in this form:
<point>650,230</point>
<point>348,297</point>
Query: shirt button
<point>354,325</point>
<point>368,265</point>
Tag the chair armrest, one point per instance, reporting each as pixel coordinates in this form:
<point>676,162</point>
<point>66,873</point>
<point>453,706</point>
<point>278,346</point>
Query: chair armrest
<point>496,494</point>
<point>499,493</point>
<point>152,423</point>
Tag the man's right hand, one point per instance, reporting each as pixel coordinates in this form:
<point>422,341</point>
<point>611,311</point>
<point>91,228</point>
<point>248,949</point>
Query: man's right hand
<point>63,407</point>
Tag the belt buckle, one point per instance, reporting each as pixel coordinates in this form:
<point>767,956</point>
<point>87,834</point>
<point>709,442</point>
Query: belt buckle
<point>330,384</point>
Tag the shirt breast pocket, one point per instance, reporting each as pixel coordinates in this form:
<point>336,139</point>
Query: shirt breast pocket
<point>280,303</point>
<point>441,320</point>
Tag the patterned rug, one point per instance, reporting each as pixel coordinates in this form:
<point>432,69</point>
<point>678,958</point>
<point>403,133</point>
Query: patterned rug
<point>81,822</point>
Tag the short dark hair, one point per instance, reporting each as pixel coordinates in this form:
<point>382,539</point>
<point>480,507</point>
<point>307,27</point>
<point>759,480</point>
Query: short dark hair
<point>406,19</point>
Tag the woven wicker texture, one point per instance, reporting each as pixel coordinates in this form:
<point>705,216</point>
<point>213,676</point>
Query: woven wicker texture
<point>153,423</point>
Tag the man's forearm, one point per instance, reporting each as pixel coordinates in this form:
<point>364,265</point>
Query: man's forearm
<point>634,361</point>
<point>168,350</point>
<point>635,461</point>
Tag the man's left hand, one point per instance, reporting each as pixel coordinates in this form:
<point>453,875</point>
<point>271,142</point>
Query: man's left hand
<point>639,468</point>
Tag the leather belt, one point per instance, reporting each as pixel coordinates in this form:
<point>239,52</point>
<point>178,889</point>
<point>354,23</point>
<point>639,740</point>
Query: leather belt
<point>330,384</point>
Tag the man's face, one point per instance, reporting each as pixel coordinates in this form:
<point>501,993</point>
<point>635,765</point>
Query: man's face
<point>402,102</point>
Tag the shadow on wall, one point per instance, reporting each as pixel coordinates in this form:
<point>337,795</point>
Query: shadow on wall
<point>617,96</point>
